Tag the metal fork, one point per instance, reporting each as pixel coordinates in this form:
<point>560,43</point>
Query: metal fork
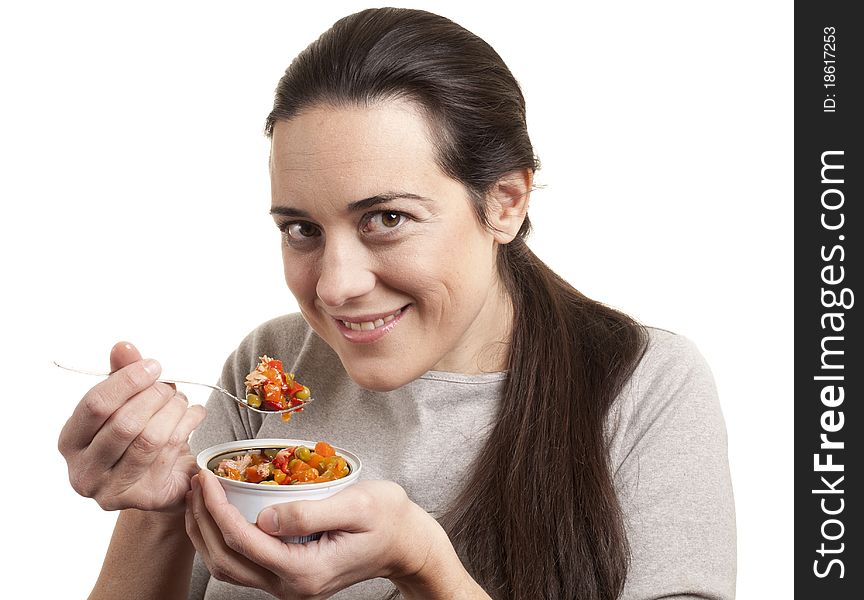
<point>241,401</point>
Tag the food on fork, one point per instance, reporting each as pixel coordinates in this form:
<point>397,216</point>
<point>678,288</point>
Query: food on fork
<point>269,387</point>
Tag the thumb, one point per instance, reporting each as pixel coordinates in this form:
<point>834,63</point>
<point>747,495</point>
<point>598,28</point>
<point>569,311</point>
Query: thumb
<point>122,354</point>
<point>305,517</point>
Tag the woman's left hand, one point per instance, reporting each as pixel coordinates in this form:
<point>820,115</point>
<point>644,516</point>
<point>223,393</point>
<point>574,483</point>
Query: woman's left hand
<point>372,530</point>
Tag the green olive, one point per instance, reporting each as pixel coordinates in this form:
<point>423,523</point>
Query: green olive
<point>271,452</point>
<point>253,400</point>
<point>303,453</point>
<point>302,394</point>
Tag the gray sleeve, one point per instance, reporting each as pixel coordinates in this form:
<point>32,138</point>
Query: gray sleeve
<point>669,456</point>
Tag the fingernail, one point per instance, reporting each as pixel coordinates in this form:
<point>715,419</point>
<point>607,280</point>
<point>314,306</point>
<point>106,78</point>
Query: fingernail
<point>151,366</point>
<point>268,520</point>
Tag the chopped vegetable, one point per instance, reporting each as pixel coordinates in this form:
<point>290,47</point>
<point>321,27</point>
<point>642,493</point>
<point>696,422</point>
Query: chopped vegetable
<point>285,466</point>
<point>269,387</point>
<point>324,449</point>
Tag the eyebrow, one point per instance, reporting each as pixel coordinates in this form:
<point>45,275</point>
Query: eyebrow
<point>355,206</point>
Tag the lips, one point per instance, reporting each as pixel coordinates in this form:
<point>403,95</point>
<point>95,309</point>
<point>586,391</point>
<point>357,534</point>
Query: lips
<point>369,328</point>
<point>355,325</point>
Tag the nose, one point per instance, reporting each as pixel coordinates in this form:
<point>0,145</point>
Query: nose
<point>345,273</point>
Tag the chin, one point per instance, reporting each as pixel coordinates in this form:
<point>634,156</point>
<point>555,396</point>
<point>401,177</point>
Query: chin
<point>375,383</point>
<point>383,379</point>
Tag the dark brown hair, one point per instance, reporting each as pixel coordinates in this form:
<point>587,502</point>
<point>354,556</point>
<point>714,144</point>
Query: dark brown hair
<point>550,532</point>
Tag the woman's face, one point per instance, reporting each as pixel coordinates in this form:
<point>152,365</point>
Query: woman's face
<point>384,252</point>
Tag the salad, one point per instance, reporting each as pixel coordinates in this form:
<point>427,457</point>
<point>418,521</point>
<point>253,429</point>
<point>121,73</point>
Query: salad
<point>269,387</point>
<point>285,466</point>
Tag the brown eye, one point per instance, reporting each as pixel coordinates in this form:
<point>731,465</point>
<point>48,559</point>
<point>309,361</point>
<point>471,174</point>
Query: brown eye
<point>390,219</point>
<point>383,223</point>
<point>301,229</point>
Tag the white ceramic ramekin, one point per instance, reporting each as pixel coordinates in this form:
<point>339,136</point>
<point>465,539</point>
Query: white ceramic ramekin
<point>251,498</point>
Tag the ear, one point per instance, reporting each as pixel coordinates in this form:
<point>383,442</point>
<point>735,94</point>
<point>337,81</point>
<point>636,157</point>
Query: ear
<point>507,204</point>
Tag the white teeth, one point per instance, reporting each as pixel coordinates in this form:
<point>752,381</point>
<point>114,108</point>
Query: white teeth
<point>370,325</point>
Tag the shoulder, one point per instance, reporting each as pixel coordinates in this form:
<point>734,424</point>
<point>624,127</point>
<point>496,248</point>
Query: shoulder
<point>668,454</point>
<point>665,349</point>
<point>672,391</point>
<point>670,360</point>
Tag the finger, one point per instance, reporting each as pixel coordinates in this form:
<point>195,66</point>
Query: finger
<point>103,400</point>
<point>178,444</point>
<point>179,440</point>
<point>194,533</point>
<point>175,454</point>
<point>342,512</point>
<point>122,428</point>
<point>158,435</point>
<point>122,354</point>
<point>224,562</point>
<point>192,529</point>
<point>262,554</point>
<point>192,418</point>
<point>243,537</point>
<point>285,563</point>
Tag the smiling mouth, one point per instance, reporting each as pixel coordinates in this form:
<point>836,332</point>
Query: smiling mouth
<point>370,325</point>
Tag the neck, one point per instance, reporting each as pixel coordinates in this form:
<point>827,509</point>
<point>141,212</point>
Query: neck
<point>486,343</point>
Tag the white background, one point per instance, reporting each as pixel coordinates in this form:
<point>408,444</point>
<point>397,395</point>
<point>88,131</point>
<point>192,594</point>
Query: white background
<point>135,193</point>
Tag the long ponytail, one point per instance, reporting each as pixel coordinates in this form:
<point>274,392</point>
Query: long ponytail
<point>549,525</point>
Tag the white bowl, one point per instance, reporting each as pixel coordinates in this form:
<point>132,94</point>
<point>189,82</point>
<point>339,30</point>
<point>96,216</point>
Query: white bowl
<point>251,498</point>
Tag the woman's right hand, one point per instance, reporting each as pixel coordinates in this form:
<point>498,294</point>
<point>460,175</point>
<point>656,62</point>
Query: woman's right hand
<point>126,442</point>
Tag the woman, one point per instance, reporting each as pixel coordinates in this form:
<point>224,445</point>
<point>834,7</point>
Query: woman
<point>520,440</point>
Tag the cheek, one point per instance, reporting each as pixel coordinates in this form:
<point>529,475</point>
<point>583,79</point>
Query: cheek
<point>300,275</point>
<point>453,271</point>
<point>465,250</point>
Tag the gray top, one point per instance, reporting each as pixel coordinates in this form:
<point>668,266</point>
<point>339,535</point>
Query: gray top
<point>668,451</point>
